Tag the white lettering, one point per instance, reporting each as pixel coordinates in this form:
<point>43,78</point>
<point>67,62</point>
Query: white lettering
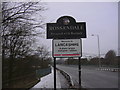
<point>77,27</point>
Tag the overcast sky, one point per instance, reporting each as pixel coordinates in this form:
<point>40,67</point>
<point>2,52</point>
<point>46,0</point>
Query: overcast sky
<point>101,19</point>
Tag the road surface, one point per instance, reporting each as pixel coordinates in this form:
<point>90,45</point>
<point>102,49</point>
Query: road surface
<point>91,77</point>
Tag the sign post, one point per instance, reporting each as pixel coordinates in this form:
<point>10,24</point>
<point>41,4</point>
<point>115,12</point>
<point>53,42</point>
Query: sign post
<point>66,35</point>
<point>54,73</point>
<point>79,68</point>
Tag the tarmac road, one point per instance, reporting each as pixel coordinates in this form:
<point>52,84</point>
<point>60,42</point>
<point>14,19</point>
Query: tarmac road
<point>91,77</point>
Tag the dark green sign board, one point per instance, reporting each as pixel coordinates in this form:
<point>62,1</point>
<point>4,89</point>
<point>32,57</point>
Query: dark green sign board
<point>66,28</point>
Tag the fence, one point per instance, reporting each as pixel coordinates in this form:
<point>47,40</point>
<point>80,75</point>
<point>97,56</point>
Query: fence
<point>42,72</point>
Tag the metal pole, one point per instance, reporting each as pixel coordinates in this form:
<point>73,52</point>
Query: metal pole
<point>99,50</point>
<point>54,73</point>
<point>79,72</point>
<point>99,62</point>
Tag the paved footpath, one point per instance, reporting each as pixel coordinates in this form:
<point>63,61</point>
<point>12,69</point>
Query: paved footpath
<point>48,81</point>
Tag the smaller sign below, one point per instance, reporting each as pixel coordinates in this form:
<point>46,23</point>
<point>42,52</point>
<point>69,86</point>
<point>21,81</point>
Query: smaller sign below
<point>67,48</point>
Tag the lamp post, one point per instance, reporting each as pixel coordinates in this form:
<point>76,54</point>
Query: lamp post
<point>98,49</point>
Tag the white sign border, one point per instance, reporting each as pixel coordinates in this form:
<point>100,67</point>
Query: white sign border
<point>67,53</point>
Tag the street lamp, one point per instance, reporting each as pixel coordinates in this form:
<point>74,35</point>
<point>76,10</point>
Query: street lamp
<point>98,49</point>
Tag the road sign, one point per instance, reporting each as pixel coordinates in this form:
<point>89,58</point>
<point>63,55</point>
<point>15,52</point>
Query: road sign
<point>66,35</point>
<point>66,28</point>
<point>67,48</point>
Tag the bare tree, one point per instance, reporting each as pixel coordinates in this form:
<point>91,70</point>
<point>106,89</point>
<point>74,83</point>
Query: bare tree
<point>110,57</point>
<point>18,29</point>
<point>42,52</point>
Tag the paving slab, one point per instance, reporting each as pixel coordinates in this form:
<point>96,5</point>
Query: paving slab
<point>48,81</point>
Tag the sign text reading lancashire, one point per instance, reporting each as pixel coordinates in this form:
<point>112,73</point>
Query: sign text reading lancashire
<point>67,48</point>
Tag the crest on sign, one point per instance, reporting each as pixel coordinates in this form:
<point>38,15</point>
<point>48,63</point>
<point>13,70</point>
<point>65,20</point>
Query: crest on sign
<point>66,21</point>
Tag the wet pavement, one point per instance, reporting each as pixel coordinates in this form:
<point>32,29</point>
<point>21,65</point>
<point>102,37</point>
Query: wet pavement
<point>48,81</point>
